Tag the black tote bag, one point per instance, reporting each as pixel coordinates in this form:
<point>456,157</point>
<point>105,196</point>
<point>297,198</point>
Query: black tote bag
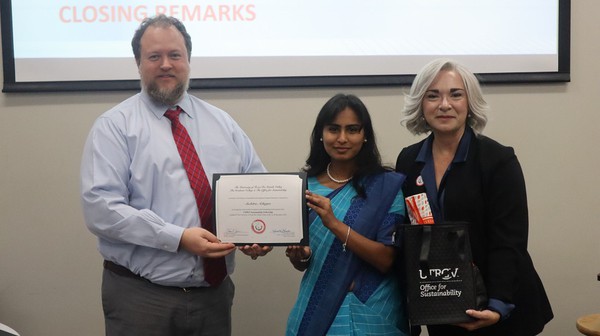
<point>442,281</point>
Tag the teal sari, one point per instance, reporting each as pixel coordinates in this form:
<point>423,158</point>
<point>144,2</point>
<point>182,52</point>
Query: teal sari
<point>375,306</point>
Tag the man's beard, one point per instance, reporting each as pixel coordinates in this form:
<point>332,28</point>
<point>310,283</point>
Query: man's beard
<point>166,96</point>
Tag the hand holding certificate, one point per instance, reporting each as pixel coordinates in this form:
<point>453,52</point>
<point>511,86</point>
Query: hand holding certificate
<point>265,209</point>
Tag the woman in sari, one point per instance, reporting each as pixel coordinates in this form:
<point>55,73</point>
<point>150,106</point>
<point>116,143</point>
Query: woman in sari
<point>355,205</point>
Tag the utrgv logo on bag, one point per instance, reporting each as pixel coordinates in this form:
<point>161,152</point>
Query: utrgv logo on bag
<point>439,274</point>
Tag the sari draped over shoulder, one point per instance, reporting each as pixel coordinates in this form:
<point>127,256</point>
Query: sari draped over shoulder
<point>375,306</point>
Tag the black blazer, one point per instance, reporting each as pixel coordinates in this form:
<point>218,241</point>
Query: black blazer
<point>488,191</point>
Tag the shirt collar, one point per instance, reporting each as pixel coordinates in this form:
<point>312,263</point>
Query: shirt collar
<point>463,146</point>
<point>425,150</point>
<point>159,109</point>
<point>461,152</point>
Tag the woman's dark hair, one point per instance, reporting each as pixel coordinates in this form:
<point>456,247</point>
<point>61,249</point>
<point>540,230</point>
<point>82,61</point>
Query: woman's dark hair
<point>368,159</point>
<point>160,20</point>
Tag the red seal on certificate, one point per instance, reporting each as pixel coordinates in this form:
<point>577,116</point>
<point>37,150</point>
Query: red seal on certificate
<point>258,226</point>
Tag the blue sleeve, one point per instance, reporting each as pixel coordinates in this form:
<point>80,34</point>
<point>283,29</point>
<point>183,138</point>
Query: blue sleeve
<point>387,230</point>
<point>502,308</point>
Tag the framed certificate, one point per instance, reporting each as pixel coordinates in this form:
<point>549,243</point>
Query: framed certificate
<point>261,208</point>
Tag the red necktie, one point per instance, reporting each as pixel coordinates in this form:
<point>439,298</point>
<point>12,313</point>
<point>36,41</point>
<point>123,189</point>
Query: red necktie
<point>214,268</point>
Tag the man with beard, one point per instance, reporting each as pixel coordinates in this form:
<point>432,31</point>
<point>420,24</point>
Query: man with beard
<point>145,175</point>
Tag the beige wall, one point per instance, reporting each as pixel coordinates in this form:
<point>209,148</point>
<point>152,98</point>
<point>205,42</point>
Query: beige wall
<point>50,270</point>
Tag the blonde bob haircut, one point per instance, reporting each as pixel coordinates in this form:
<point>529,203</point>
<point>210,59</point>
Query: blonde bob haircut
<point>413,101</point>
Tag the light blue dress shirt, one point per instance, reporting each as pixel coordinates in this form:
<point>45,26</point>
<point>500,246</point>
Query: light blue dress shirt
<point>135,193</point>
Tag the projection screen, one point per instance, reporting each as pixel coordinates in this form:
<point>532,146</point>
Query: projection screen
<point>65,45</point>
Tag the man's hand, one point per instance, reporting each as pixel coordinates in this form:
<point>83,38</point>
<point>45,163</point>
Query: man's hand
<point>203,243</point>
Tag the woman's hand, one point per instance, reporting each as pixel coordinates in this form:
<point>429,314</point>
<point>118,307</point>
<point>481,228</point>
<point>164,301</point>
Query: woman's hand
<point>299,256</point>
<point>483,318</point>
<point>322,206</point>
<point>255,250</point>
<point>375,253</point>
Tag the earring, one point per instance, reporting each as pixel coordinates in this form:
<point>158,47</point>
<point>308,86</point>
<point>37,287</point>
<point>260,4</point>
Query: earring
<point>365,140</point>
<point>321,139</point>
